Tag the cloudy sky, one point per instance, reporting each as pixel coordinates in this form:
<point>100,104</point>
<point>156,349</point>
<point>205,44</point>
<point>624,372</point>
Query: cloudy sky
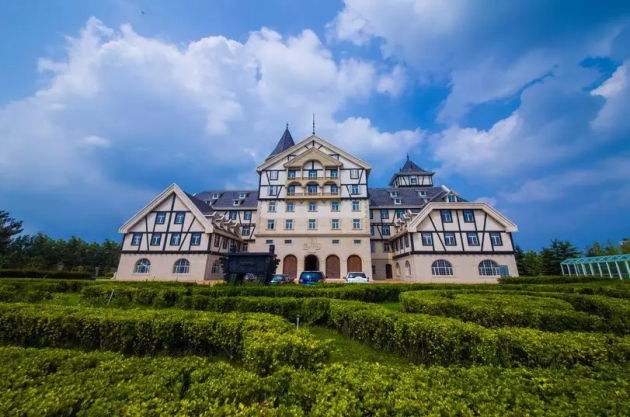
<point>522,104</point>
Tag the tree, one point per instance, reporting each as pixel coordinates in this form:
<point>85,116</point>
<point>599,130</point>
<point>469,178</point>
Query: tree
<point>9,227</point>
<point>558,251</point>
<point>624,246</point>
<point>532,264</point>
<point>610,248</point>
<point>595,249</point>
<point>518,256</point>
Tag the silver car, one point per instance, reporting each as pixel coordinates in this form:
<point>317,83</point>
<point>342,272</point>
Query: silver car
<point>357,278</point>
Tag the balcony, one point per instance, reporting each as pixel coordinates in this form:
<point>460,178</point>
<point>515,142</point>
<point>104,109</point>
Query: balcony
<point>302,195</point>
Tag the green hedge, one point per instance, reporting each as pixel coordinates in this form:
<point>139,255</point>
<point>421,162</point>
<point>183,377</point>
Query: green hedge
<point>22,273</point>
<point>505,309</point>
<point>560,279</point>
<point>262,342</point>
<point>10,294</point>
<point>51,382</point>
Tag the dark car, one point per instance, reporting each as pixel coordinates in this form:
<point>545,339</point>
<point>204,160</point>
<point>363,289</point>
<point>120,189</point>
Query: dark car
<point>281,279</point>
<point>311,277</point>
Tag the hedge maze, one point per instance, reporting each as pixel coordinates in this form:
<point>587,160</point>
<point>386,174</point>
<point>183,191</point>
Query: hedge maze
<point>524,347</point>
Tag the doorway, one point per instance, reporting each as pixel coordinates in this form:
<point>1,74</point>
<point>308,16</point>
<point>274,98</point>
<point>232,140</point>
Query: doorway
<point>311,263</point>
<point>388,271</point>
<point>333,267</point>
<point>289,266</point>
<point>354,264</point>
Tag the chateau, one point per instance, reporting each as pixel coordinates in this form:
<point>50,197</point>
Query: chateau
<point>314,205</point>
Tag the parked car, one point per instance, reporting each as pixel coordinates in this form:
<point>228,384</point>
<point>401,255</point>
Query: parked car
<point>357,278</point>
<point>281,279</point>
<point>311,277</point>
<point>250,277</point>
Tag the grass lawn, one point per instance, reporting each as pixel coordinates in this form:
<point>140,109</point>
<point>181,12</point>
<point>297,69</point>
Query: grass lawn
<point>65,299</point>
<point>392,306</point>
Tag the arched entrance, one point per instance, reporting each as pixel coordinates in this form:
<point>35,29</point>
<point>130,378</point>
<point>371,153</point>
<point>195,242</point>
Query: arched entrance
<point>311,263</point>
<point>289,266</point>
<point>354,263</point>
<point>333,267</point>
<point>388,271</point>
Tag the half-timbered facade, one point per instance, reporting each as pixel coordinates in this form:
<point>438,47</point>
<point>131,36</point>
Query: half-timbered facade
<point>314,206</point>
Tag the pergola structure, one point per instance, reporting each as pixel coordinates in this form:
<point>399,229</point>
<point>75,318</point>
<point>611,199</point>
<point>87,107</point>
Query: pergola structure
<point>613,266</point>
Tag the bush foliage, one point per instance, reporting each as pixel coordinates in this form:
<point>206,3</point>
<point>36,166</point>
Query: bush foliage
<point>23,273</point>
<point>560,279</point>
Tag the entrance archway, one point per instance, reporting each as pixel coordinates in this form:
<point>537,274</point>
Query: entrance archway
<point>354,263</point>
<point>388,271</point>
<point>289,266</point>
<point>311,263</point>
<point>333,267</point>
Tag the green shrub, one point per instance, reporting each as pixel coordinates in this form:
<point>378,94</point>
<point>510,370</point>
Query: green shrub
<point>23,273</point>
<point>140,332</point>
<point>53,382</point>
<point>560,279</point>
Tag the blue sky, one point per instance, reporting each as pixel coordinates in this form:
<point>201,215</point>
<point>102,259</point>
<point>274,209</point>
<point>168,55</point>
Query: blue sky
<point>524,105</point>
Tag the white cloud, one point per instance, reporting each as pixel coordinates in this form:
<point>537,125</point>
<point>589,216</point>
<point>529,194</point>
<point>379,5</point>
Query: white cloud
<point>491,201</point>
<point>96,141</point>
<point>392,83</point>
<point>614,116</point>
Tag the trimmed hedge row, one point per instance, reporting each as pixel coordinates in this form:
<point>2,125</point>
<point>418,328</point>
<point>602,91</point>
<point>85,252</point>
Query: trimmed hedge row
<point>22,273</point>
<point>46,285</point>
<point>8,293</point>
<point>49,382</point>
<point>560,279</point>
<point>262,342</point>
<point>505,309</point>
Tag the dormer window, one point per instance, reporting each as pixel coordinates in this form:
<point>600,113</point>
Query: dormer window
<point>236,203</point>
<point>422,193</point>
<point>394,193</point>
<point>414,180</point>
<point>451,198</point>
<point>215,196</point>
<point>242,195</point>
<point>397,201</point>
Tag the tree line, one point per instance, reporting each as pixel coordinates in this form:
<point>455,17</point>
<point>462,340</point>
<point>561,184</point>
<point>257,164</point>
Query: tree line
<point>41,252</point>
<point>548,260</point>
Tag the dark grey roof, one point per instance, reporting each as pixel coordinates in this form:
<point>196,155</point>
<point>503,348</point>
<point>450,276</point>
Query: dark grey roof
<point>286,141</point>
<point>381,197</point>
<point>227,197</point>
<point>410,168</point>
<point>201,205</point>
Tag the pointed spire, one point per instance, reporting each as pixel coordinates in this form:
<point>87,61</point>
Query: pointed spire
<point>285,142</point>
<point>313,124</point>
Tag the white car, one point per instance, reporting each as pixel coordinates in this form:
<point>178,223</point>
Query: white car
<point>357,278</point>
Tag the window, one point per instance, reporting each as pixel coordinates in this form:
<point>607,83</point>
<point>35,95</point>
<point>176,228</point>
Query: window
<point>288,224</point>
<point>400,213</point>
<point>182,266</point>
<point>394,193</point>
<point>397,201</point>
<point>273,175</point>
<point>291,173</point>
<point>216,266</point>
<point>371,246</point>
<point>247,215</point>
<point>488,268</point>
<point>136,239</point>
<point>386,247</point>
<point>408,268</point>
<point>451,198</point>
<point>384,214</point>
<point>269,242</point>
<point>272,190</point>
<point>288,241</point>
<point>271,206</point>
<point>195,239</point>
<point>355,206</point>
<point>291,190</point>
<point>156,238</point>
<point>243,195</point>
<point>236,203</point>
<point>354,189</point>
<point>354,174</point>
<point>160,217</point>
<point>312,224</point>
<point>371,214</point>
<point>427,239</point>
<point>356,223</point>
<point>245,231</point>
<point>385,230</point>
<point>312,206</point>
<point>469,216</point>
<point>225,244</point>
<point>414,180</point>
<point>270,224</point>
<point>290,206</point>
<point>397,269</point>
<point>179,217</point>
<point>373,270</point>
<point>215,196</point>
<point>335,241</point>
<point>441,267</point>
<point>357,241</point>
<point>334,190</point>
<point>312,173</point>
<point>449,239</point>
<point>176,239</point>
<point>334,206</point>
<point>446,216</point>
<point>496,239</point>
<point>473,239</point>
<point>244,248</point>
<point>334,173</point>
<point>335,224</point>
<point>371,230</point>
<point>311,189</point>
<point>406,241</point>
<point>143,266</point>
<point>233,215</point>
<point>422,193</point>
<point>217,240</point>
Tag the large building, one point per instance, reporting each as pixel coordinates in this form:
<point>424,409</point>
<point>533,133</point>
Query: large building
<point>314,205</point>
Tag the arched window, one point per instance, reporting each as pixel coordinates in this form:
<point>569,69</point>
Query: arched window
<point>143,266</point>
<point>182,266</point>
<point>408,268</point>
<point>441,267</point>
<point>216,267</point>
<point>488,268</point>
<point>397,269</point>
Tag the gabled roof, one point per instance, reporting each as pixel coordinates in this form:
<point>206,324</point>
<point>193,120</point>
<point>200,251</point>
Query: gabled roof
<point>285,142</point>
<point>313,153</point>
<point>202,206</point>
<point>436,205</point>
<point>226,198</point>
<point>410,168</point>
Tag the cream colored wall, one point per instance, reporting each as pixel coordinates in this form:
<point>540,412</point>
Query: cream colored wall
<point>465,267</point>
<point>162,267</point>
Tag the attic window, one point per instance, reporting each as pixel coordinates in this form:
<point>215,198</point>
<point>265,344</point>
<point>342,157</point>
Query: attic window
<point>397,201</point>
<point>215,196</point>
<point>237,203</point>
<point>422,193</point>
<point>451,198</point>
<point>394,193</point>
<point>242,195</point>
<point>414,180</point>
